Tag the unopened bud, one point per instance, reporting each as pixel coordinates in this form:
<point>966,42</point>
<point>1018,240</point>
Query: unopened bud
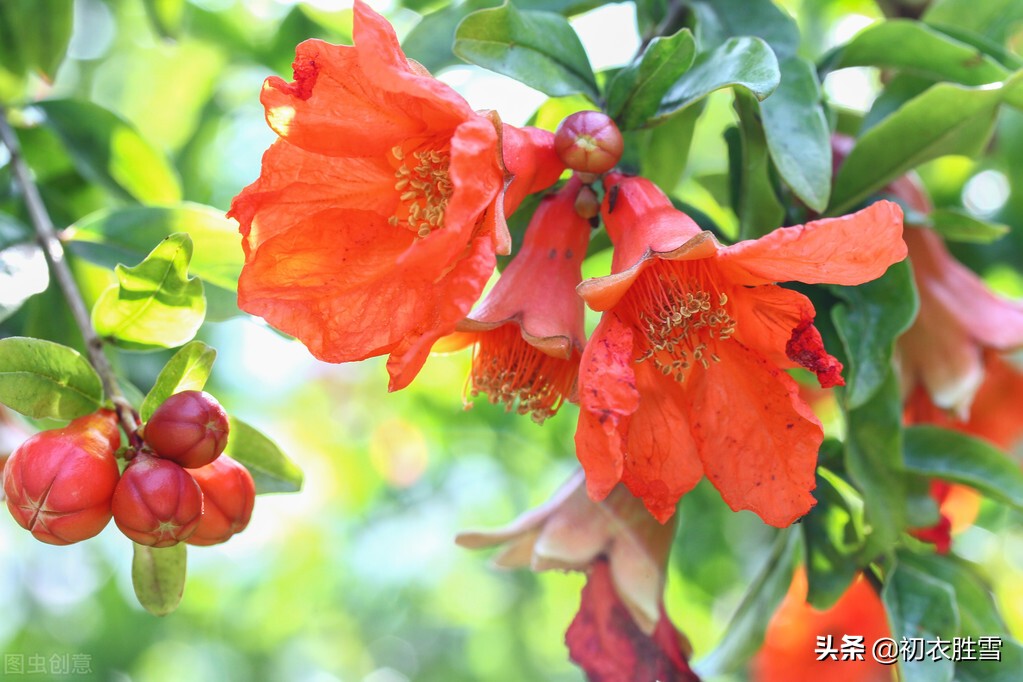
<point>586,203</point>
<point>589,142</point>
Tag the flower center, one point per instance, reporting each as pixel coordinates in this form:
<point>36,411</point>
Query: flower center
<point>422,179</point>
<point>511,371</point>
<point>681,315</point>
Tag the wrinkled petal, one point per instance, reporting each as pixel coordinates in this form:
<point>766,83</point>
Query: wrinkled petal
<point>330,107</point>
<point>758,440</point>
<point>607,397</point>
<point>778,323</point>
<point>661,462</point>
<point>605,642</point>
<point>438,309</point>
<point>333,288</point>
<point>848,250</point>
<point>296,183</point>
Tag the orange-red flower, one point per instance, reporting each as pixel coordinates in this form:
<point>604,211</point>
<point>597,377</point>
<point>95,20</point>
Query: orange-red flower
<point>684,375</point>
<point>791,645</point>
<point>528,331</point>
<point>621,631</point>
<point>374,224</point>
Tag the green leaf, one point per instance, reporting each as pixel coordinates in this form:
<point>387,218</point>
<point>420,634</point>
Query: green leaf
<point>873,458</point>
<point>34,35</point>
<point>718,20</point>
<point>109,151</point>
<point>429,42</point>
<point>158,575</point>
<point>188,370</point>
<point>921,606</point>
<point>666,149</point>
<point>744,62</point>
<point>538,48</point>
<point>993,19</point>
<point>635,93</point>
<point>954,456</point>
<point>166,16</point>
<point>916,48</point>
<point>126,235</point>
<point>958,226</point>
<point>875,314</point>
<point>269,466</point>
<point>154,304</point>
<point>756,203</point>
<point>978,613</point>
<point>1005,669</point>
<point>745,631</point>
<point>43,379</point>
<point>23,274</point>
<point>832,535</point>
<point>797,133</point>
<point>945,119</point>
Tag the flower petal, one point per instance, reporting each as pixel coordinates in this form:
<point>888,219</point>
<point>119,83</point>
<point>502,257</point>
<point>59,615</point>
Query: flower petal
<point>848,250</point>
<point>607,398</point>
<point>441,303</point>
<point>758,440</point>
<point>661,461</point>
<point>295,184</point>
<point>332,108</point>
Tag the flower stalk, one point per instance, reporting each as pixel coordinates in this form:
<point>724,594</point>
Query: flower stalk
<point>53,250</point>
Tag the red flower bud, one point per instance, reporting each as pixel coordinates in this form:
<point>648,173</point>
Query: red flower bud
<point>189,428</point>
<point>229,494</point>
<point>156,502</point>
<point>59,482</point>
<point>589,142</point>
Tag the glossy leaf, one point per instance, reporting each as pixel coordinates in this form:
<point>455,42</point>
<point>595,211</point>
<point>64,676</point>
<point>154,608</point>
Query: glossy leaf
<point>158,576</point>
<point>921,606</point>
<point>874,315</point>
<point>954,456</point>
<point>538,48</point>
<point>108,150</point>
<point>993,19</point>
<point>832,535</point>
<point>921,50</point>
<point>945,119</point>
<point>34,35</point>
<point>635,93</point>
<point>745,631</point>
<point>959,226</point>
<point>272,470</point>
<point>718,20</point>
<point>756,203</point>
<point>154,304</point>
<point>797,133</point>
<point>978,615</point>
<point>43,379</point>
<point>1003,669</point>
<point>126,235</point>
<point>873,459</point>
<point>744,62</point>
<point>187,370</point>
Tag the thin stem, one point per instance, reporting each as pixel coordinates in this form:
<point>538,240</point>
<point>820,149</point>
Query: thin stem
<point>54,252</point>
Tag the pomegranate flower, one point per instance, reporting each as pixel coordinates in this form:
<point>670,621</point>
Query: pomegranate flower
<point>621,631</point>
<point>790,650</point>
<point>685,374</point>
<point>528,331</point>
<point>375,222</point>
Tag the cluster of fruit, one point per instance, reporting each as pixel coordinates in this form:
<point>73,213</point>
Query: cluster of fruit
<point>64,485</point>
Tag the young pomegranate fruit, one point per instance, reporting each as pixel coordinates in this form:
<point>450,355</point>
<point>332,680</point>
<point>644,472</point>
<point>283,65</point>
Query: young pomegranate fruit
<point>59,483</point>
<point>156,502</point>
<point>189,428</point>
<point>229,494</point>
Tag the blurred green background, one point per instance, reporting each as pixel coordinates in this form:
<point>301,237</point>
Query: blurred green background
<point>357,577</point>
